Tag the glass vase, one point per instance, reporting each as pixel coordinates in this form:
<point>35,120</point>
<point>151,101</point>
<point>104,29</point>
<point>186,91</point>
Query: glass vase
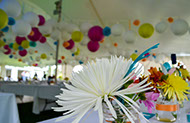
<point>121,117</point>
<point>166,110</point>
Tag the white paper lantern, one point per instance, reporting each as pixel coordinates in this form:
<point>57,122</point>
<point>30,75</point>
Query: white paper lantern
<point>38,58</point>
<point>55,35</point>
<point>161,27</point>
<point>71,28</point>
<point>117,29</point>
<point>62,26</point>
<point>31,51</point>
<point>21,28</point>
<point>65,36</point>
<point>11,7</point>
<point>129,36</point>
<point>85,41</point>
<point>54,57</point>
<point>179,27</point>
<point>31,18</point>
<point>84,27</point>
<point>52,22</point>
<point>45,29</point>
<point>48,58</point>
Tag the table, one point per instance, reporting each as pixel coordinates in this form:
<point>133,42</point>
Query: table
<point>8,108</point>
<point>41,93</point>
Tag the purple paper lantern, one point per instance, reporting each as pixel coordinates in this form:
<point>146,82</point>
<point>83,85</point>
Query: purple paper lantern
<point>96,33</point>
<point>72,44</point>
<point>23,53</point>
<point>20,39</point>
<point>42,39</point>
<point>93,46</point>
<point>41,20</point>
<point>35,35</point>
<point>59,61</point>
<point>8,51</point>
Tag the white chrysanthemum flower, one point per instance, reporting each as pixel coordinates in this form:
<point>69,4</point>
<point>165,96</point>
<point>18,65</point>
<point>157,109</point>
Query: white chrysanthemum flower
<point>100,81</point>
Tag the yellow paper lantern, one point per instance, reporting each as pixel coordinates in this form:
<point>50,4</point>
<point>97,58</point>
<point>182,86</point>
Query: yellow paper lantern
<point>3,19</point>
<point>134,56</point>
<point>2,43</point>
<point>146,30</point>
<point>77,36</point>
<point>15,46</point>
<point>25,44</point>
<point>77,52</point>
<point>43,56</point>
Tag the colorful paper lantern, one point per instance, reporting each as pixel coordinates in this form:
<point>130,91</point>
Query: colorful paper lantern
<point>93,46</point>
<point>170,20</point>
<point>36,51</point>
<point>43,56</point>
<point>35,35</point>
<point>11,45</point>
<point>6,29</point>
<point>20,48</point>
<point>146,30</point>
<point>179,27</point>
<point>161,27</point>
<point>2,43</point>
<point>59,61</point>
<point>21,28</point>
<point>130,36</point>
<point>23,53</point>
<point>96,33</point>
<point>32,44</point>
<point>117,29</point>
<point>84,27</point>
<point>66,44</point>
<point>62,57</point>
<point>8,51</point>
<point>15,46</point>
<point>136,22</point>
<point>107,31</point>
<point>4,19</point>
<point>20,39</point>
<point>41,20</point>
<point>31,51</point>
<point>11,21</point>
<point>77,36</point>
<point>42,39</point>
<point>37,58</point>
<point>133,56</point>
<point>11,56</point>
<point>115,44</point>
<point>71,44</point>
<point>31,18</point>
<point>25,44</point>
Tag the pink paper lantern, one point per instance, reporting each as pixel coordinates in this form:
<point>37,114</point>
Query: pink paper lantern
<point>93,46</point>
<point>6,47</point>
<point>8,51</point>
<point>35,35</point>
<point>72,44</point>
<point>41,20</point>
<point>59,61</point>
<point>36,64</point>
<point>96,33</point>
<point>20,39</point>
<point>23,53</point>
<point>42,39</point>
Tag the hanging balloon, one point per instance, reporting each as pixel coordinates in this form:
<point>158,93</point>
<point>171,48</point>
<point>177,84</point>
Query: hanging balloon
<point>33,44</point>
<point>136,22</point>
<point>133,56</point>
<point>93,46</point>
<point>107,31</point>
<point>4,19</point>
<point>43,56</point>
<point>2,43</point>
<point>20,39</point>
<point>179,27</point>
<point>59,61</point>
<point>71,44</point>
<point>146,30</point>
<point>11,45</point>
<point>11,7</point>
<point>117,29</point>
<point>161,27</point>
<point>35,34</point>
<point>21,28</point>
<point>130,36</point>
<point>31,18</point>
<point>41,20</point>
<point>11,21</point>
<point>25,44</point>
<point>23,53</point>
<point>6,29</point>
<point>42,39</point>
<point>77,36</point>
<point>15,46</point>
<point>96,33</point>
<point>31,51</point>
<point>38,58</point>
<point>84,27</point>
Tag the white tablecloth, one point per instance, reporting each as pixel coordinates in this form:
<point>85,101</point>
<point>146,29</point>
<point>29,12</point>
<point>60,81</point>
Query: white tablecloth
<point>8,108</point>
<point>39,92</point>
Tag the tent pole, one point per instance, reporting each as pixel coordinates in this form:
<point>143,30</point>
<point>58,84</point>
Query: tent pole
<point>59,8</point>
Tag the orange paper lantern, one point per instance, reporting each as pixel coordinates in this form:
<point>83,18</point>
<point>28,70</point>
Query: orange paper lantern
<point>66,44</point>
<point>102,41</point>
<point>62,57</point>
<point>19,60</point>
<point>170,20</point>
<point>14,53</point>
<point>144,59</point>
<point>136,22</point>
<point>115,44</point>
<point>154,54</point>
<point>36,51</point>
<point>31,33</point>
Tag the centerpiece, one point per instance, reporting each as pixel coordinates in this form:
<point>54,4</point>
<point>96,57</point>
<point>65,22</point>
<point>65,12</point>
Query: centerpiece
<point>107,86</point>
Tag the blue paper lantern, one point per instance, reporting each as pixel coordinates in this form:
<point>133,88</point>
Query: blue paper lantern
<point>6,29</point>
<point>136,51</point>
<point>107,31</point>
<point>55,43</point>
<point>80,62</point>
<point>33,44</point>
<point>11,21</point>
<point>73,54</point>
<point>20,48</point>
<point>4,40</point>
<point>11,45</point>
<point>11,56</point>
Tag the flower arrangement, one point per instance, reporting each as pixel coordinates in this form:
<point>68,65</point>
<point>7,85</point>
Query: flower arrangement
<point>105,82</point>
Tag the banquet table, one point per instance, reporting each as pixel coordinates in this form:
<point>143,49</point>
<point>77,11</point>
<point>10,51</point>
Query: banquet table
<point>8,108</point>
<point>41,93</point>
